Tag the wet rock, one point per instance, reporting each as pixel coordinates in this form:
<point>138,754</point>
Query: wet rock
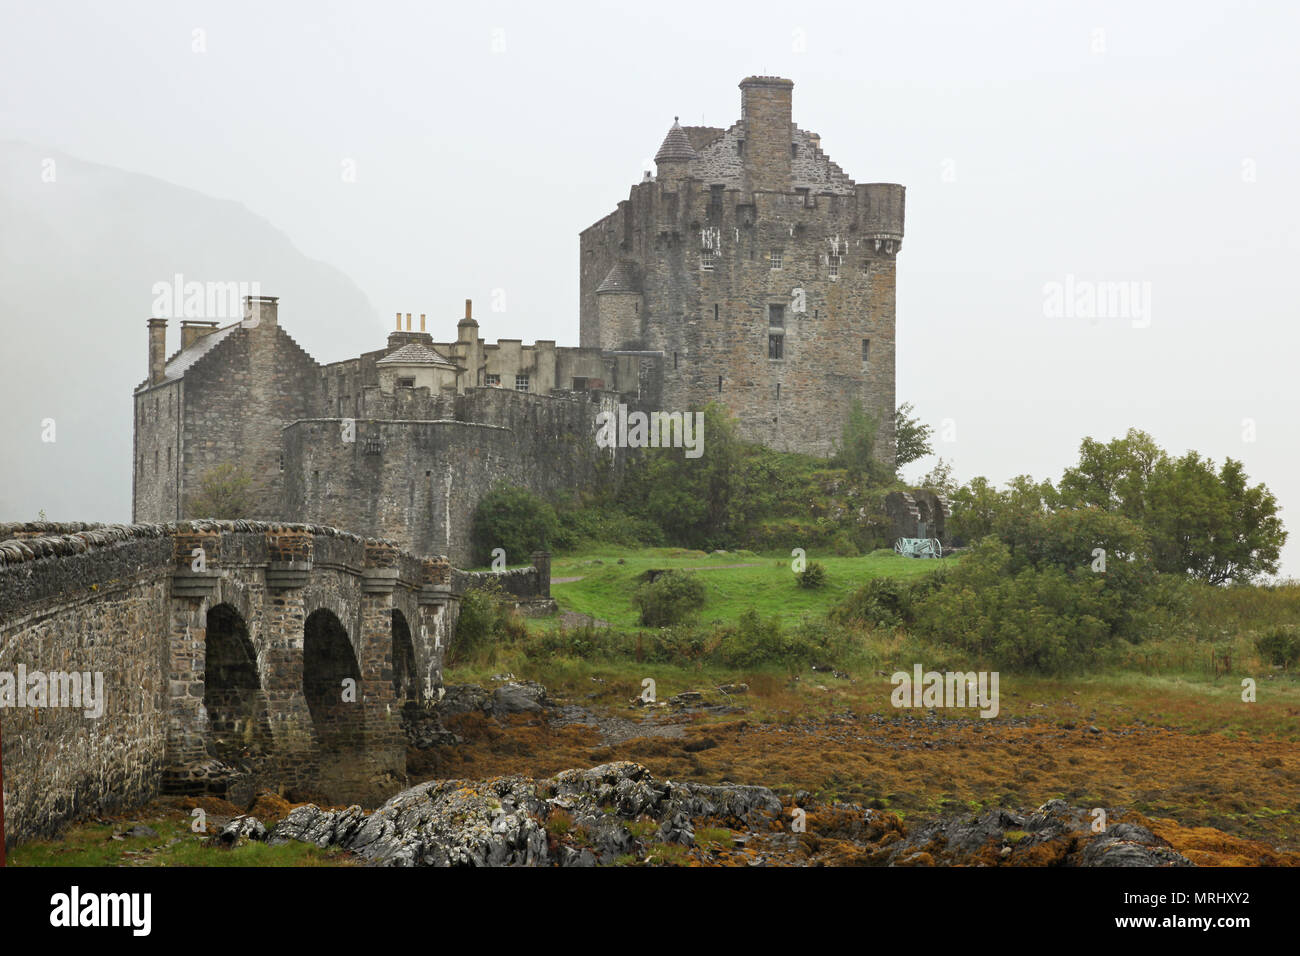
<point>140,830</point>
<point>518,698</point>
<point>239,832</point>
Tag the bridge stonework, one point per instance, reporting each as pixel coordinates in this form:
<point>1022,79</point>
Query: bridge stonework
<point>235,656</point>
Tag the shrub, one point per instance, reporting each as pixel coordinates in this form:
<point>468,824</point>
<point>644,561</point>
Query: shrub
<point>881,602</point>
<point>515,520</point>
<point>1280,645</point>
<point>225,492</point>
<point>813,576</point>
<point>483,619</point>
<point>671,598</point>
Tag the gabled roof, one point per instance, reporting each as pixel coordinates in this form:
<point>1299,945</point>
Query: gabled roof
<point>676,145</point>
<point>184,360</point>
<point>413,353</point>
<point>621,278</point>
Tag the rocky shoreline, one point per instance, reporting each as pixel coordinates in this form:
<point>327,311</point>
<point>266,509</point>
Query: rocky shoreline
<point>619,814</point>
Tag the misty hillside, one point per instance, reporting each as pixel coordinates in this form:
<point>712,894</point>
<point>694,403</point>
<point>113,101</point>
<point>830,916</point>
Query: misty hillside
<point>79,259</point>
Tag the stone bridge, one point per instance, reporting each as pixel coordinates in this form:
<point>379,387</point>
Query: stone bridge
<point>234,656</point>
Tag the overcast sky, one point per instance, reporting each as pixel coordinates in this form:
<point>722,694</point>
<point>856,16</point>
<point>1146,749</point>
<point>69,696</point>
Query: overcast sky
<point>439,152</point>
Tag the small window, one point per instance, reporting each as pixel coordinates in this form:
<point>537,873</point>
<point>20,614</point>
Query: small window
<point>706,260</point>
<point>778,391</point>
<point>674,360</point>
<point>490,379</point>
<point>521,383</point>
<point>740,147</point>
<point>775,257</point>
<point>866,350</point>
<point>776,316</point>
<point>804,196</point>
<point>579,384</point>
<point>794,151</point>
<point>407,382</point>
<point>776,346</point>
<point>833,262</point>
<point>715,312</point>
<point>719,384</point>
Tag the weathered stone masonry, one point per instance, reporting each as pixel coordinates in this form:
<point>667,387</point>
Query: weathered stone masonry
<point>210,666</point>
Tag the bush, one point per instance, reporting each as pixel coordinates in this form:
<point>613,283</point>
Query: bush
<point>756,641</point>
<point>813,576</point>
<point>671,598</point>
<point>881,602</point>
<point>515,520</point>
<point>1280,645</point>
<point>484,621</point>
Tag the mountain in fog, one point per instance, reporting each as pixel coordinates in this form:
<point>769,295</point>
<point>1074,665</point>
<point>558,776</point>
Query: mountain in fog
<point>87,254</point>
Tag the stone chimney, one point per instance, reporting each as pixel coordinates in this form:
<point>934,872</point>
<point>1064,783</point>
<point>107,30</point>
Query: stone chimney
<point>766,111</point>
<point>157,350</point>
<point>261,311</point>
<point>192,331</point>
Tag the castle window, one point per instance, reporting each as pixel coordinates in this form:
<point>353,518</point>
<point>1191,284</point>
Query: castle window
<point>804,196</point>
<point>521,383</point>
<point>740,147</point>
<point>579,384</point>
<point>155,461</point>
<point>169,458</point>
<point>776,346</point>
<point>493,380</point>
<point>778,391</point>
<point>866,350</point>
<point>833,261</point>
<point>719,384</point>
<point>674,360</point>
<point>794,152</point>
<point>776,316</point>
<point>775,257</point>
<point>408,382</point>
<point>715,312</point>
<point>706,260</point>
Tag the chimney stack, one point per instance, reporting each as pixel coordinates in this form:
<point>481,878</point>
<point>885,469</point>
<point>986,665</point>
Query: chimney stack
<point>408,321</point>
<point>260,310</point>
<point>157,350</point>
<point>421,321</point>
<point>469,308</point>
<point>192,331</point>
<point>765,108</point>
<point>399,321</point>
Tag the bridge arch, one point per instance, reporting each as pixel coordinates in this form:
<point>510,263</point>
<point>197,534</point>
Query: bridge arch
<point>406,677</point>
<point>238,722</point>
<point>331,684</point>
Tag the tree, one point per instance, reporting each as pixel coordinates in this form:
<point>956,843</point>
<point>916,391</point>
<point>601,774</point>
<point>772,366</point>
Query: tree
<point>515,520</point>
<point>224,493</point>
<point>698,502</point>
<point>911,437</point>
<point>857,450</point>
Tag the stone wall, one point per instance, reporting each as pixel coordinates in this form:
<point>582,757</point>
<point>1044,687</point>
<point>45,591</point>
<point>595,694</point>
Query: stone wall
<point>236,400</point>
<point>103,610</point>
<point>418,483</point>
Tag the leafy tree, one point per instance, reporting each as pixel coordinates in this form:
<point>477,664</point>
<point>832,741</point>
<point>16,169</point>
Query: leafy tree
<point>224,493</point>
<point>911,437</point>
<point>515,520</point>
<point>857,449</point>
<point>696,501</point>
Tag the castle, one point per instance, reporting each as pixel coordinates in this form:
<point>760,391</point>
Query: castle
<point>750,270</point>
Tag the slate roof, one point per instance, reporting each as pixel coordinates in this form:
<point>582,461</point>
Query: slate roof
<point>413,353</point>
<point>676,145</point>
<point>621,278</point>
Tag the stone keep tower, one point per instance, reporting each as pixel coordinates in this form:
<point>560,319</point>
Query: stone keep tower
<point>761,271</point>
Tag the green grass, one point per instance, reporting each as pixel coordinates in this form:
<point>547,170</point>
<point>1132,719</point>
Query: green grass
<point>92,844</point>
<point>770,587</point>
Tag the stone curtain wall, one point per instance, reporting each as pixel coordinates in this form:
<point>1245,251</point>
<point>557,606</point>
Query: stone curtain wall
<point>126,601</point>
<point>418,483</point>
